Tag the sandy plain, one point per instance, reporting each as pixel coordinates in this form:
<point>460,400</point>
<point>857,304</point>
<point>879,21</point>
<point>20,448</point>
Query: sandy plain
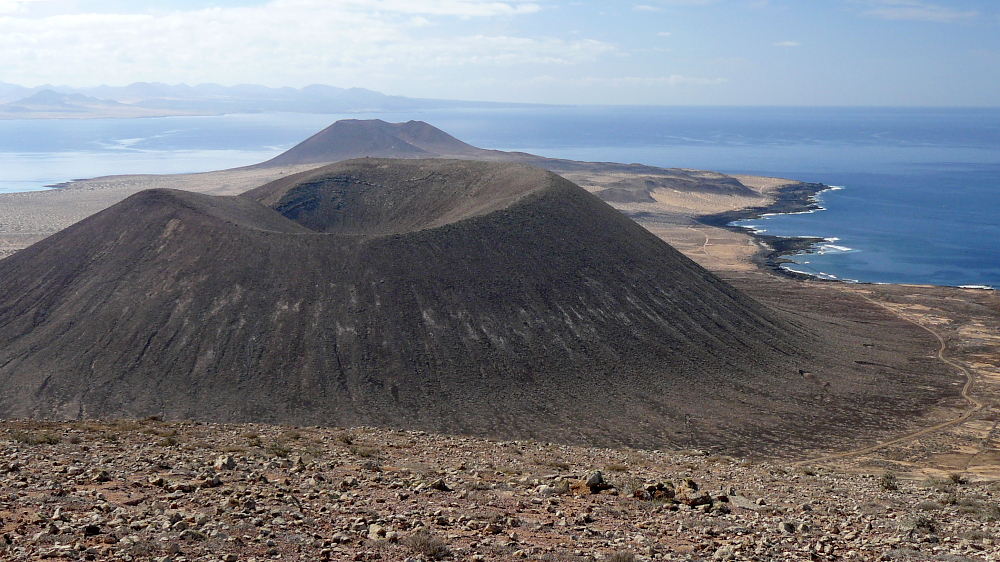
<point>26,218</point>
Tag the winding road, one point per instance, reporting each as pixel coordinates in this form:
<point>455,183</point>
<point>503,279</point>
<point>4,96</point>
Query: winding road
<point>975,404</point>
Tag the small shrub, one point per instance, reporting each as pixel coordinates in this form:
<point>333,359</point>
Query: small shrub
<point>622,556</point>
<point>615,467</point>
<point>962,502</point>
<point>990,513</point>
<point>110,436</point>
<point>169,441</point>
<point>957,478</point>
<point>423,543</point>
<point>364,452</point>
<point>941,485</point>
<point>279,449</point>
<point>888,481</point>
<point>929,506</point>
<point>921,523</point>
<point>345,438</point>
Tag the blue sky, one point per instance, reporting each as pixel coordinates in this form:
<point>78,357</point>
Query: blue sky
<point>716,52</point>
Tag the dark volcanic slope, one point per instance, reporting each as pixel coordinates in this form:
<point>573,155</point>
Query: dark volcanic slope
<point>358,138</point>
<point>455,296</point>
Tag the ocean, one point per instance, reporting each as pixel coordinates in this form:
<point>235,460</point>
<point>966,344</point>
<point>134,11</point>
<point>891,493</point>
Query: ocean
<point>918,198</point>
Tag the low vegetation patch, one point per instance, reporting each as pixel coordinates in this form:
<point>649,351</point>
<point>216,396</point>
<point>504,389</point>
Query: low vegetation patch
<point>169,441</point>
<point>364,452</point>
<point>921,523</point>
<point>888,481</point>
<point>423,543</point>
<point>279,449</point>
<point>35,437</point>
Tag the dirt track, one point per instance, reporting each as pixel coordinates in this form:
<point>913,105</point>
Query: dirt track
<point>975,404</point>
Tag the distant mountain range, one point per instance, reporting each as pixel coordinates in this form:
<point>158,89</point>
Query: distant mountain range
<point>49,104</point>
<point>146,99</point>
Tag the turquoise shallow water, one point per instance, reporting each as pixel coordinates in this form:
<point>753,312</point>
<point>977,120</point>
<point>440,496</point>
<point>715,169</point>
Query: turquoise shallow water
<point>920,204</point>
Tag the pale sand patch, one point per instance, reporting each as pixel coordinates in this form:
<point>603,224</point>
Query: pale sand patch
<point>26,218</point>
<point>713,248</point>
<point>671,216</point>
<point>763,184</point>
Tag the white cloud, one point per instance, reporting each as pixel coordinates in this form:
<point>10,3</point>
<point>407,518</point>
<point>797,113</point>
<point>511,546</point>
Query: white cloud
<point>15,6</point>
<point>787,44</point>
<point>917,10</point>
<point>658,5</point>
<point>465,8</point>
<point>671,80</point>
<point>664,34</point>
<point>684,2</point>
<point>634,81</point>
<point>374,43</point>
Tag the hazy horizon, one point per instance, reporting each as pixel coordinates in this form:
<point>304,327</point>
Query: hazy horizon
<point>62,87</point>
<point>849,53</point>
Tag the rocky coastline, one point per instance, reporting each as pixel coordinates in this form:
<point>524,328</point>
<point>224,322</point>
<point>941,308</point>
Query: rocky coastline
<point>794,198</point>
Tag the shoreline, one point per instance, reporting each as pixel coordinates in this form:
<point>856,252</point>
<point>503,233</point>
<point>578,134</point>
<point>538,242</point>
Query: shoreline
<point>791,199</point>
<point>794,198</point>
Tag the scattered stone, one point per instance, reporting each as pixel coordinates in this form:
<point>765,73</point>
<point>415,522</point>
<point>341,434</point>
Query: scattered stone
<point>193,535</point>
<point>224,462</point>
<point>440,485</point>
<point>596,483</point>
<point>100,476</point>
<point>318,503</point>
<point>743,502</point>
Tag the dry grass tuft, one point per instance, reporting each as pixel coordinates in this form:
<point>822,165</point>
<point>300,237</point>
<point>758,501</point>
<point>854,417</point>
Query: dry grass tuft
<point>423,543</point>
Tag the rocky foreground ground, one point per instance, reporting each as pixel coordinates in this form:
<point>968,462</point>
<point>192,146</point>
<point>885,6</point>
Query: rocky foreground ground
<point>151,490</point>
